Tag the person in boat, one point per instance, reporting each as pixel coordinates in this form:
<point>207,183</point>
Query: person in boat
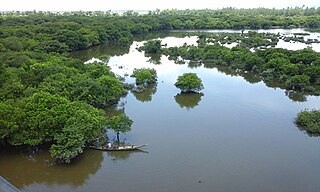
<point>97,143</point>
<point>109,145</point>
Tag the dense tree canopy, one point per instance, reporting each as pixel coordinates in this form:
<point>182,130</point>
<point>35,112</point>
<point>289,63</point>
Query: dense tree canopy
<point>48,97</point>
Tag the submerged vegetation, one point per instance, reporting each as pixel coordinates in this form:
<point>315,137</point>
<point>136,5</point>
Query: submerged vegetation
<point>48,97</point>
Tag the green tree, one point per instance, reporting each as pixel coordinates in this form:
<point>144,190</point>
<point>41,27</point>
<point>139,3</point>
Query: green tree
<point>69,144</point>
<point>52,118</point>
<point>12,119</point>
<point>189,82</point>
<point>309,121</point>
<point>152,46</point>
<point>145,76</point>
<point>119,124</point>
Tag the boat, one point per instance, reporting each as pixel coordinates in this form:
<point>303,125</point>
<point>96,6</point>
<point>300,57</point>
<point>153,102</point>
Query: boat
<point>118,148</point>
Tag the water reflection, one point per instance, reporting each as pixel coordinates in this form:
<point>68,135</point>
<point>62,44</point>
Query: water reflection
<point>251,78</point>
<point>98,51</point>
<point>224,69</point>
<point>123,155</point>
<point>281,43</point>
<point>153,58</point>
<point>153,35</point>
<point>295,96</point>
<point>194,64</point>
<point>23,169</point>
<point>254,78</point>
<point>116,109</point>
<point>146,95</point>
<point>188,100</point>
<point>161,35</point>
<point>303,129</point>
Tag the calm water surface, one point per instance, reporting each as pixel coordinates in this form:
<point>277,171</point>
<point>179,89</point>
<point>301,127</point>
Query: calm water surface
<point>236,135</point>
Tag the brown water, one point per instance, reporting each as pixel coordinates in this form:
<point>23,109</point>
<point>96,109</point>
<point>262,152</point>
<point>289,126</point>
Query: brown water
<point>237,135</point>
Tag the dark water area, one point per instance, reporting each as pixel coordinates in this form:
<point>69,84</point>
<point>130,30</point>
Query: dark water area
<point>238,134</point>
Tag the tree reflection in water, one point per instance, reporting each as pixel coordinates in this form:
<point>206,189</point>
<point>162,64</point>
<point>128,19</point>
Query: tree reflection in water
<point>303,129</point>
<point>296,96</point>
<point>123,155</point>
<point>97,51</point>
<point>194,64</point>
<point>154,58</point>
<point>188,100</point>
<point>23,168</point>
<point>146,95</point>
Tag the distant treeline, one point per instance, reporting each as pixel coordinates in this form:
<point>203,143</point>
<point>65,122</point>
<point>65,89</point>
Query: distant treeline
<point>61,32</point>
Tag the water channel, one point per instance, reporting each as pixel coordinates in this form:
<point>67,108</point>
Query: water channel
<point>238,134</point>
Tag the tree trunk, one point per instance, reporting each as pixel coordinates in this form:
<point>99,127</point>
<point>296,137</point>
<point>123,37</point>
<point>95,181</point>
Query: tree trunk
<point>118,138</point>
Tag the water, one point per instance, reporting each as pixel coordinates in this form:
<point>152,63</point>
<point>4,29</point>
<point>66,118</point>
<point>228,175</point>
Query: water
<point>236,135</point>
<point>281,43</point>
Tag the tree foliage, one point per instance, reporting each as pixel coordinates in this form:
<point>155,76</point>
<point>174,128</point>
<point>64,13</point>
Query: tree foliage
<point>152,46</point>
<point>189,82</point>
<point>309,121</point>
<point>47,97</point>
<point>119,123</point>
<point>145,76</point>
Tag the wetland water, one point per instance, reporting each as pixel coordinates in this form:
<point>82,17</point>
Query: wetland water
<point>237,135</point>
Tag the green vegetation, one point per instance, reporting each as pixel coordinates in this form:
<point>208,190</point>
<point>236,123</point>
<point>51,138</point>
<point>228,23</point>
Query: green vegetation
<point>249,40</point>
<point>189,83</point>
<point>51,98</point>
<point>299,37</point>
<point>145,76</point>
<point>48,97</point>
<point>55,32</point>
<point>120,124</point>
<point>151,46</point>
<point>297,70</point>
<point>309,121</point>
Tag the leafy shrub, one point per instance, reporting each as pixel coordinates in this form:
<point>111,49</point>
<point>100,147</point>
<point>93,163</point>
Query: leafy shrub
<point>189,82</point>
<point>309,121</point>
<point>145,76</point>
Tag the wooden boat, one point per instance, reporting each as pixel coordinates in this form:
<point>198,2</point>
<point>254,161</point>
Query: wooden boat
<point>118,148</point>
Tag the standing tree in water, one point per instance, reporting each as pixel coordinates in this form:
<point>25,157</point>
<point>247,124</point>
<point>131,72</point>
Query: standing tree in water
<point>189,83</point>
<point>120,124</point>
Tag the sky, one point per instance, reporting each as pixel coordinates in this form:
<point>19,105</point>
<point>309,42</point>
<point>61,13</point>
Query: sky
<point>104,5</point>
